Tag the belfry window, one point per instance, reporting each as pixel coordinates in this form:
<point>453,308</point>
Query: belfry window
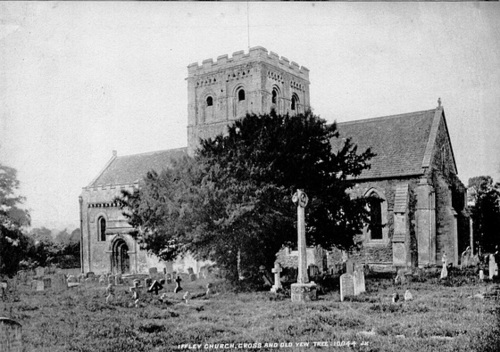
<point>295,100</point>
<point>101,229</point>
<point>274,97</point>
<point>210,101</point>
<point>241,95</point>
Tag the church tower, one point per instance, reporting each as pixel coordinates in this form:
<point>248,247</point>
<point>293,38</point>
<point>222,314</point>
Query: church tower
<point>223,91</point>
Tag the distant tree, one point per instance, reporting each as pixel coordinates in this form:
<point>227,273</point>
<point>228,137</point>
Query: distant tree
<point>13,242</point>
<point>74,238</point>
<point>232,202</point>
<point>485,212</point>
<point>42,234</point>
<point>63,237</point>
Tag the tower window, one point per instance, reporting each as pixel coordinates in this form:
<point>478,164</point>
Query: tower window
<point>210,101</point>
<point>274,96</point>
<point>101,229</point>
<point>295,100</point>
<point>241,95</point>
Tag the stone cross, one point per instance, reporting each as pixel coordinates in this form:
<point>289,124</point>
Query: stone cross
<point>136,289</point>
<point>300,198</point>
<point>155,287</point>
<point>302,290</point>
<point>277,281</point>
<point>177,284</point>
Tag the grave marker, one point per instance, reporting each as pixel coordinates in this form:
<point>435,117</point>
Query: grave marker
<point>492,267</point>
<point>10,335</point>
<point>40,271</point>
<point>359,281</point>
<point>153,272</point>
<point>277,280</point>
<point>444,270</point>
<point>59,282</point>
<point>346,286</point>
<point>302,290</point>
<point>136,289</point>
<point>178,284</point>
<point>155,287</point>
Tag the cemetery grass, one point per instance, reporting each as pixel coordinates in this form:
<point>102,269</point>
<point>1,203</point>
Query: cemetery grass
<point>442,317</point>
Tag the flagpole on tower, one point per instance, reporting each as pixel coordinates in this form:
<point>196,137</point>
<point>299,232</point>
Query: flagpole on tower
<point>248,25</point>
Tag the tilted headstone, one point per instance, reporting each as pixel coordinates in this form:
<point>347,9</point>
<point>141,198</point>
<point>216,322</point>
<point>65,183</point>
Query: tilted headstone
<point>10,335</point>
<point>190,270</point>
<point>277,280</point>
<point>155,287</point>
<point>346,286</point>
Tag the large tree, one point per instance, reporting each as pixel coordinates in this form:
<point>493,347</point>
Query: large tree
<point>231,203</point>
<point>13,242</point>
<point>485,212</point>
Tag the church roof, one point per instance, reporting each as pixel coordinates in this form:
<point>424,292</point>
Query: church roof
<point>128,169</point>
<point>401,142</point>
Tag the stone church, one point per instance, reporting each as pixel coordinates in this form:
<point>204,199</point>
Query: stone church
<point>419,202</point>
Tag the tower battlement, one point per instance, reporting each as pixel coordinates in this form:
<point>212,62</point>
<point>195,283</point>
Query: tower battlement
<point>239,57</point>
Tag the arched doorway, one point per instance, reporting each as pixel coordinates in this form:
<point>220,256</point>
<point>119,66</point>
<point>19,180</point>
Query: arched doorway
<point>120,261</point>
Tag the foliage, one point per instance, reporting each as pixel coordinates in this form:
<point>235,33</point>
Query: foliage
<point>485,212</point>
<point>232,202</point>
<point>13,242</point>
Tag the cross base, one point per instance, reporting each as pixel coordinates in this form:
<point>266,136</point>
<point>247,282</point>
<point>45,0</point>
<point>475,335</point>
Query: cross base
<point>304,292</point>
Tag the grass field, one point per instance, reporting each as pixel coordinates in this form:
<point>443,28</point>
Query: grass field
<point>444,316</point>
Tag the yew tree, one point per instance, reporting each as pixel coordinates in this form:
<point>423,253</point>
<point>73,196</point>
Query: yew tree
<point>231,203</point>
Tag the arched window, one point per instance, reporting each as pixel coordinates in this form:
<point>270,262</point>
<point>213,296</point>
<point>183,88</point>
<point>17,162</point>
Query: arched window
<point>241,94</point>
<point>101,229</point>
<point>375,226</point>
<point>274,97</point>
<point>295,100</point>
<point>210,101</point>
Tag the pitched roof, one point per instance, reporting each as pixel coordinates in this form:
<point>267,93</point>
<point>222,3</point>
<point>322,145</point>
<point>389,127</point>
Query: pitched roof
<point>128,169</point>
<point>400,142</point>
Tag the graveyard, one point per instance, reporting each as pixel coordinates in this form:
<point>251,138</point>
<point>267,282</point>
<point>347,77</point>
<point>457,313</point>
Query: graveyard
<point>115,313</point>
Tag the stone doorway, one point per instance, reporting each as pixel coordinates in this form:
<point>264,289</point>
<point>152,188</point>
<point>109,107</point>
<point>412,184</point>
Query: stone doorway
<point>120,261</point>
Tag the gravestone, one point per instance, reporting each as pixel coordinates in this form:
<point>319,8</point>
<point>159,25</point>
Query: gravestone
<point>110,293</point>
<point>59,282</point>
<point>155,287</point>
<point>39,285</point>
<point>177,284</point>
<point>192,277</point>
<point>47,282</point>
<point>153,272</point>
<point>346,286</point>
<point>204,272</point>
<point>359,281</point>
<point>277,280</point>
<point>444,270</point>
<point>190,271</point>
<point>168,277</point>
<point>481,275</point>
<point>10,335</point>
<point>395,297</point>
<point>349,267</point>
<point>492,266</point>
<point>408,296</point>
<point>148,281</point>
<point>465,259</point>
<point>40,271</point>
<point>209,291</point>
<point>81,278</point>
<point>118,279</point>
<point>3,290</point>
<point>265,276</point>
<point>71,278</point>
<point>303,290</point>
<point>186,297</point>
<point>313,271</point>
<point>136,289</point>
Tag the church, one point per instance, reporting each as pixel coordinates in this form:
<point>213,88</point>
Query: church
<point>418,200</point>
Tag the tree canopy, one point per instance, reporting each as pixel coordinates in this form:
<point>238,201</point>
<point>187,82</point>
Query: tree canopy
<point>232,204</point>
<point>485,212</point>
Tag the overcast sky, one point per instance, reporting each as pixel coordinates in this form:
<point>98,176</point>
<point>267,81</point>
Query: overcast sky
<point>80,79</point>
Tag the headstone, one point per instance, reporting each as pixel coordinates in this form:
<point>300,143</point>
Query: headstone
<point>110,293</point>
<point>3,290</point>
<point>313,271</point>
<point>153,272</point>
<point>444,270</point>
<point>204,272</point>
<point>192,277</point>
<point>186,297</point>
<point>346,286</point>
<point>209,291</point>
<point>71,278</point>
<point>135,292</point>
<point>164,297</point>
<point>190,270</point>
<point>481,275</point>
<point>118,279</point>
<point>155,287</point>
<point>492,267</point>
<point>359,281</point>
<point>81,278</point>
<point>10,335</point>
<point>408,295</point>
<point>465,259</point>
<point>303,290</point>
<point>148,281</point>
<point>395,297</point>
<point>59,282</point>
<point>40,271</point>
<point>40,285</point>
<point>178,284</point>
<point>277,280</point>
<point>349,267</point>
<point>90,274</point>
<point>264,275</point>
<point>47,282</point>
<point>168,278</point>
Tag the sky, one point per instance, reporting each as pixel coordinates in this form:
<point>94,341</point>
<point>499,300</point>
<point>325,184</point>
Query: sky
<point>81,79</point>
